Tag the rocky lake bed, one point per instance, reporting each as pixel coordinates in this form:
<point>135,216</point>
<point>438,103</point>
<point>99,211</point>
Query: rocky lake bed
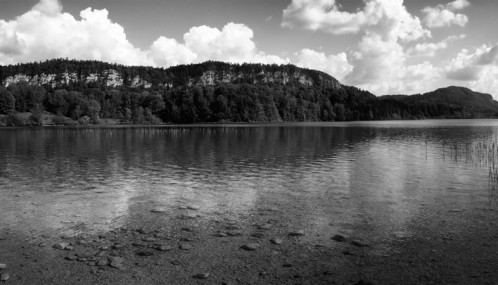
<point>185,246</point>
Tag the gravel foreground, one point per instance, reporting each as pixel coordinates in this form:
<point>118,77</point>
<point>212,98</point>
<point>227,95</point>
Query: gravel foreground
<point>185,247</point>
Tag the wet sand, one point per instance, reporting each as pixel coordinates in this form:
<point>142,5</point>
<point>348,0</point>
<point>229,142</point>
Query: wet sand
<point>188,246</point>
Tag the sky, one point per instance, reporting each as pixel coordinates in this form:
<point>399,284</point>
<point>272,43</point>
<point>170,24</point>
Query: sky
<point>383,46</point>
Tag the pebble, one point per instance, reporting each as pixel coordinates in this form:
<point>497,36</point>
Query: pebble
<point>187,229</point>
<point>42,244</point>
<point>139,244</point>
<point>149,239</point>
<point>339,238</point>
<point>91,263</point>
<point>164,248</point>
<point>258,235</point>
<point>358,244</point>
<point>297,233</point>
<point>187,217</point>
<point>175,262</point>
<point>193,207</point>
<point>66,236</point>
<point>103,262</point>
<point>221,235</point>
<point>202,276</point>
<point>60,246</point>
<point>186,247</point>
<point>3,265</point>
<point>158,210</point>
<point>250,246</point>
<point>234,233</point>
<point>287,265</point>
<point>116,262</point>
<point>265,227</point>
<point>145,253</point>
<point>69,247</point>
<point>4,277</point>
<point>276,241</point>
<point>232,227</point>
<point>71,257</point>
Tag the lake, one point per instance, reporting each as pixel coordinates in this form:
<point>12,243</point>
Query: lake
<point>375,178</point>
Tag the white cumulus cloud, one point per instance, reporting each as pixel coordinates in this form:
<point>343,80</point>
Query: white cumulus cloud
<point>47,32</point>
<point>477,69</point>
<point>335,65</point>
<point>445,15</point>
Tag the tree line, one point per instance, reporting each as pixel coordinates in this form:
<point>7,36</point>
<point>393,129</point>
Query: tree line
<point>89,103</point>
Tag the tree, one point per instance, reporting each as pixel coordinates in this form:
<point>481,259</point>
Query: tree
<point>7,102</point>
<point>36,117</point>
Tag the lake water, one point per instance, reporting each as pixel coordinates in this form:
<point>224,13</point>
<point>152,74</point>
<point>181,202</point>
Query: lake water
<point>373,179</point>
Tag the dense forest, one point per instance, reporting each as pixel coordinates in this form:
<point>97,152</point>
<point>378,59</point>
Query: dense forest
<point>252,93</point>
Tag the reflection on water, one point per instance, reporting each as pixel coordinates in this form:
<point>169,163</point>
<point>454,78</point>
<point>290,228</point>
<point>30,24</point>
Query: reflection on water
<point>373,178</point>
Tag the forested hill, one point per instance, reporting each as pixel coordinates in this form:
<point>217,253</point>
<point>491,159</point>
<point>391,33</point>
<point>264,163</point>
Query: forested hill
<point>81,92</point>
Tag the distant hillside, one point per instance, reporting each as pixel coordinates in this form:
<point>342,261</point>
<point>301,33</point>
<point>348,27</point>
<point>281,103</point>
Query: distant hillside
<point>82,92</point>
<point>471,104</point>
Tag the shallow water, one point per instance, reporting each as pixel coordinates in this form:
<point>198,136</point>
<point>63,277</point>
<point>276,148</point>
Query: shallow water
<point>372,179</point>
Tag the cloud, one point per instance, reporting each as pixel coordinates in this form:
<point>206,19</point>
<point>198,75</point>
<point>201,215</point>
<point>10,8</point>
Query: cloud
<point>335,65</point>
<point>430,49</point>
<point>477,69</point>
<point>445,16</point>
<point>378,61</point>
<point>388,18</point>
<point>471,66</point>
<point>47,32</point>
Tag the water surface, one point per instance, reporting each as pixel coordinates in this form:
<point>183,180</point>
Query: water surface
<point>371,179</point>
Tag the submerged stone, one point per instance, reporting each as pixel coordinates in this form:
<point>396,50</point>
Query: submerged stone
<point>339,238</point>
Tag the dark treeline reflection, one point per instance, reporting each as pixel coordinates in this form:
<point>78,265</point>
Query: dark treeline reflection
<point>98,152</point>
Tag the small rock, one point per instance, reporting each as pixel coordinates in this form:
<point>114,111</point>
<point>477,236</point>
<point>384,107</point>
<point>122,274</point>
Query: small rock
<point>186,246</point>
<point>202,276</point>
<point>164,248</point>
<point>175,262</point>
<point>193,207</point>
<point>69,247</point>
<point>142,231</point>
<point>276,241</point>
<point>339,238</point>
<point>297,233</point>
<point>145,253</point>
<point>188,216</point>
<point>234,233</point>
<point>149,239</point>
<point>116,262</point>
<point>287,265</point>
<point>186,239</point>
<point>70,257</point>
<point>42,244</point>
<point>220,235</point>
<point>3,265</point>
<point>66,236</point>
<point>158,210</point>
<point>258,235</point>
<point>4,277</point>
<point>82,259</point>
<point>265,227</point>
<point>250,246</point>
<point>187,229</point>
<point>139,244</point>
<point>232,227</point>
<point>91,263</point>
<point>103,262</point>
<point>358,244</point>
<point>60,246</point>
